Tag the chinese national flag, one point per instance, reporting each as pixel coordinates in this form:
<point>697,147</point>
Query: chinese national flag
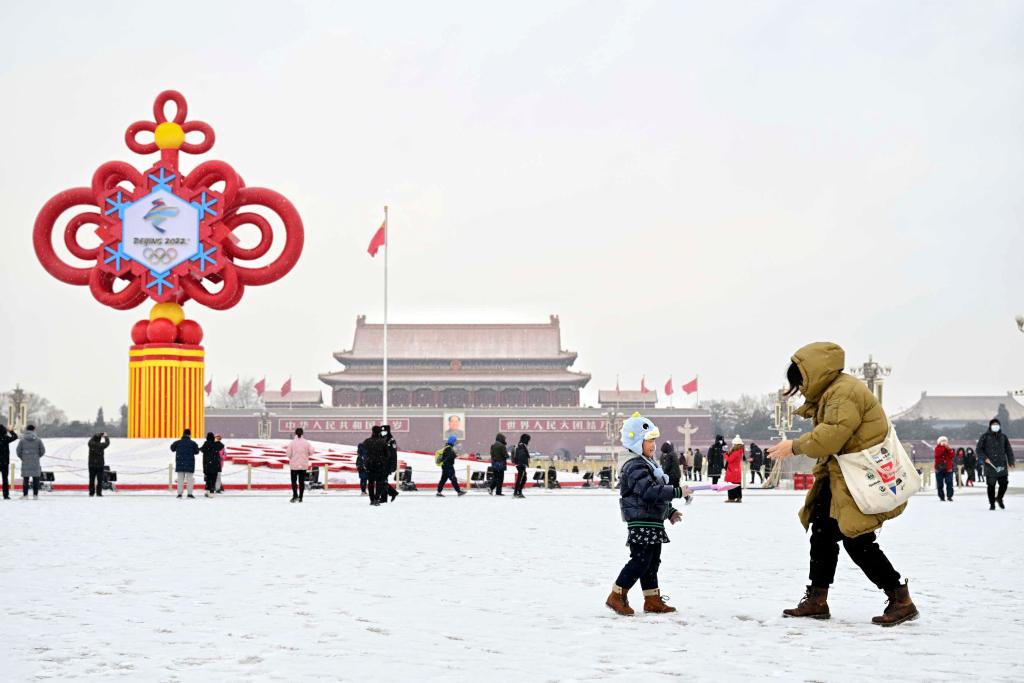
<point>234,388</point>
<point>643,385</point>
<point>286,388</point>
<point>260,386</point>
<point>209,387</point>
<point>379,240</point>
<point>691,386</point>
<point>668,387</point>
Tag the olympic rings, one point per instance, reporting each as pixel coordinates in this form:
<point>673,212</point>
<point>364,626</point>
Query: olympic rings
<point>159,256</point>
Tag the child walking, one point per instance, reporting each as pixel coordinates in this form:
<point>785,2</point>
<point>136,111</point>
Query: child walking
<point>645,497</point>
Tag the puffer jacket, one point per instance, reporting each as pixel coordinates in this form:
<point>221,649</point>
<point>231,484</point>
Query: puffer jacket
<point>698,460</point>
<point>211,455</point>
<point>376,459</point>
<point>716,457</point>
<point>185,451</point>
<point>944,456</point>
<point>499,453</point>
<point>643,500</point>
<point>994,451</point>
<point>30,450</point>
<point>96,448</point>
<point>670,463</point>
<point>847,418</point>
<point>521,458</point>
<point>734,465</point>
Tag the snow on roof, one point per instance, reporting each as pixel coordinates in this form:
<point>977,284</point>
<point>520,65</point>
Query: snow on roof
<point>961,408</point>
<point>293,397</point>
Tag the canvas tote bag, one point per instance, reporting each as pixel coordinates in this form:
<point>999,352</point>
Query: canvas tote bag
<point>880,478</point>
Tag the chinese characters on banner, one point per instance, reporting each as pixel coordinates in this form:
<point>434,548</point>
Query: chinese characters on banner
<point>339,424</point>
<point>533,424</point>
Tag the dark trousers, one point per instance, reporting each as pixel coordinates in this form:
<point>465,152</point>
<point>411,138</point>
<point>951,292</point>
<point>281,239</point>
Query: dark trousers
<point>377,489</point>
<point>863,549</point>
<point>448,474</point>
<point>697,474</point>
<point>210,480</point>
<point>298,483</point>
<point>714,478</point>
<point>6,482</point>
<point>35,485</point>
<point>498,480</point>
<point>994,495</point>
<point>384,489</point>
<point>757,471</point>
<point>689,473</point>
<point>96,481</point>
<point>735,494</point>
<point>362,481</point>
<point>643,564</point>
<point>944,480</point>
<point>520,479</point>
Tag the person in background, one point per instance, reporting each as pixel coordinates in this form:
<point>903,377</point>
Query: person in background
<point>716,458</point>
<point>521,459</point>
<point>448,468</point>
<point>944,466</point>
<point>995,452</point>
<point>361,467</point>
<point>688,469</point>
<point>30,450</point>
<point>392,464</point>
<point>970,465</point>
<point>97,445</point>
<point>756,462</point>
<point>185,450</point>
<point>734,471</point>
<point>958,464</point>
<point>7,437</point>
<point>670,463</point>
<point>376,448</point>
<point>299,452</point>
<point>698,465</point>
<point>499,461</point>
<point>220,470</point>
<point>211,450</point>
<point>980,467</point>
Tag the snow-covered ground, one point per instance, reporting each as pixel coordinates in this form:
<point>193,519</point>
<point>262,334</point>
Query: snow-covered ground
<point>142,586</point>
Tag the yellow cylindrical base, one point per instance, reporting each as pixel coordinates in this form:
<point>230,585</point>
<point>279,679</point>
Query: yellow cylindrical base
<point>165,391</point>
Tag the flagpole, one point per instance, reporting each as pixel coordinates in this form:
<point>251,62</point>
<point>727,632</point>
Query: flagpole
<point>387,249</point>
<point>698,391</point>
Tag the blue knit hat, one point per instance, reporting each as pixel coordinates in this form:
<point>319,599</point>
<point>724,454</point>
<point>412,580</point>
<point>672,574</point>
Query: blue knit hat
<point>451,440</point>
<point>635,431</point>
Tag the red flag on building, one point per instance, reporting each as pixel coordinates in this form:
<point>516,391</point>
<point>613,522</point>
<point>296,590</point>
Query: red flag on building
<point>379,240</point>
<point>286,388</point>
<point>234,388</point>
<point>643,385</point>
<point>668,387</point>
<point>209,387</point>
<point>691,386</point>
<point>260,386</point>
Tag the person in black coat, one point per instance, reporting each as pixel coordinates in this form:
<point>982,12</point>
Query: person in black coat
<point>211,449</point>
<point>185,451</point>
<point>996,454</point>
<point>756,462</point>
<point>670,463</point>
<point>698,465</point>
<point>376,448</point>
<point>499,461</point>
<point>97,445</point>
<point>521,459</point>
<point>448,468</point>
<point>389,439</point>
<point>7,437</point>
<point>970,465</point>
<point>716,458</point>
<point>361,466</point>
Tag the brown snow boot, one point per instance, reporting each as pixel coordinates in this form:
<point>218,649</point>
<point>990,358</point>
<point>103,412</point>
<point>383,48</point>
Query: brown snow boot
<point>900,608</point>
<point>814,605</point>
<point>653,602</point>
<point>617,601</point>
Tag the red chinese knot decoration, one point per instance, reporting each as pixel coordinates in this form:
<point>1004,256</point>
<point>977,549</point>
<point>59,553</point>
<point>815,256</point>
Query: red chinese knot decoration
<point>165,233</point>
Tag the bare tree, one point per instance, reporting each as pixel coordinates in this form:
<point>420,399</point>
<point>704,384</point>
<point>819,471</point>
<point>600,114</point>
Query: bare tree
<point>40,410</point>
<point>245,398</point>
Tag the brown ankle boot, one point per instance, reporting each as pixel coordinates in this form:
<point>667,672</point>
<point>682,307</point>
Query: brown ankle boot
<point>900,608</point>
<point>814,605</point>
<point>617,601</point>
<point>653,602</point>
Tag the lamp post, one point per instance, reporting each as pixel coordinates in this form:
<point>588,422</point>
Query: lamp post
<point>873,374</point>
<point>266,426</point>
<point>613,420</point>
<point>17,411</point>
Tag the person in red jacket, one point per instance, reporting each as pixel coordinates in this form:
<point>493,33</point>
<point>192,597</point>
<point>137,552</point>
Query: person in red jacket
<point>944,457</point>
<point>734,471</point>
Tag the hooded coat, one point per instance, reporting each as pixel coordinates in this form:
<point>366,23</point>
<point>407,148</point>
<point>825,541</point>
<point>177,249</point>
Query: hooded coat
<point>376,459</point>
<point>994,452</point>
<point>30,450</point>
<point>185,451</point>
<point>211,455</point>
<point>522,454</point>
<point>698,460</point>
<point>716,457</point>
<point>499,453</point>
<point>847,418</point>
<point>670,463</point>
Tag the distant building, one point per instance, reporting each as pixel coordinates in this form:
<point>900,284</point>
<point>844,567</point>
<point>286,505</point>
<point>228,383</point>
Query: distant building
<point>293,399</point>
<point>958,411</point>
<point>457,366</point>
<point>627,401</point>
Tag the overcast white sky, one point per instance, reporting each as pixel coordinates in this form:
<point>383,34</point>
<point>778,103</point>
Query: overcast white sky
<point>692,187</point>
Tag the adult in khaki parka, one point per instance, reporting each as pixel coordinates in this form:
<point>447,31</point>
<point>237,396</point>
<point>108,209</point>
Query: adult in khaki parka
<point>847,418</point>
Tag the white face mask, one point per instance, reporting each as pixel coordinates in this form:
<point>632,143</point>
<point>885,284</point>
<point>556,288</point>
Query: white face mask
<point>994,428</point>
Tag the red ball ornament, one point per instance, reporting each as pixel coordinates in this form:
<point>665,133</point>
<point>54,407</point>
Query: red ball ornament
<point>140,332</point>
<point>189,332</point>
<point>162,331</point>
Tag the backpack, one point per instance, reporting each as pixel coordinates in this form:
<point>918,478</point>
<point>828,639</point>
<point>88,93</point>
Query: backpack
<point>439,455</point>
